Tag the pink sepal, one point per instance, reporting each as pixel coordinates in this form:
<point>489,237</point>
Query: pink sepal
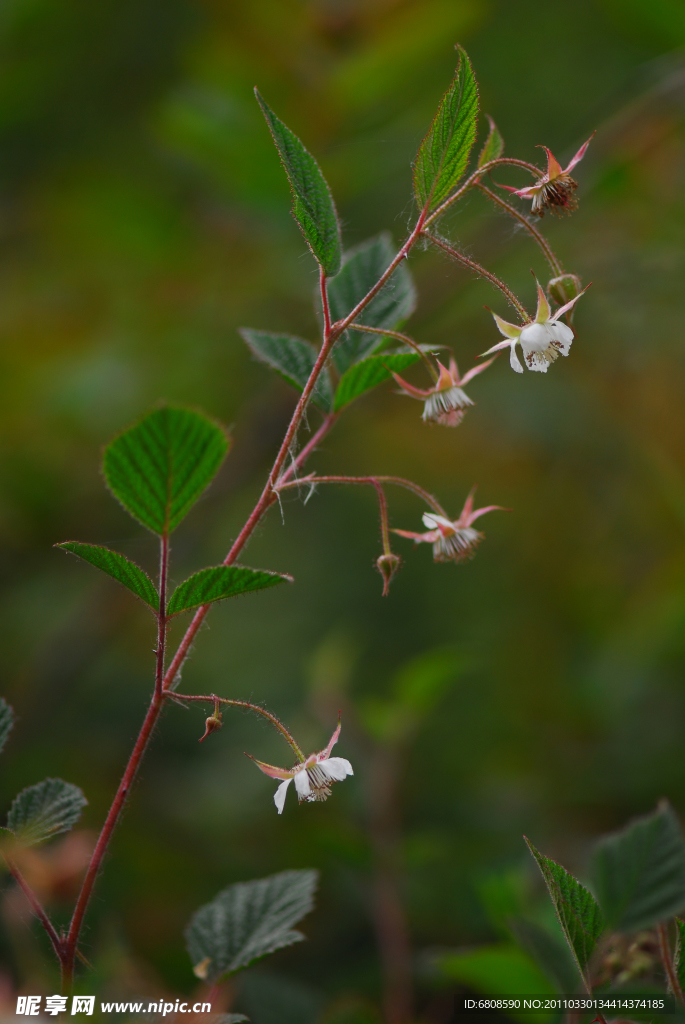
<point>333,740</point>
<point>268,769</point>
<point>569,305</point>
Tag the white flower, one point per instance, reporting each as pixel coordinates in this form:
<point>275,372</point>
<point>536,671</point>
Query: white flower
<point>541,341</point>
<point>313,777</point>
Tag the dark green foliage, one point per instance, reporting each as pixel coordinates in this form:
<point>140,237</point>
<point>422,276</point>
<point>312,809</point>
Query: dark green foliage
<point>45,810</point>
<point>639,872</point>
<point>219,582</point>
<point>678,958</point>
<point>118,567</point>
<point>443,155</point>
<point>579,915</point>
<point>396,300</point>
<point>6,721</point>
<point>248,920</point>
<point>293,359</point>
<point>313,206</point>
<point>368,373</point>
<point>158,468</point>
<point>494,144</point>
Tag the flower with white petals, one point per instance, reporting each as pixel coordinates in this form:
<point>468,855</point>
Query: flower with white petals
<point>453,541</point>
<point>541,341</point>
<point>445,402</point>
<point>555,189</point>
<point>313,777</point>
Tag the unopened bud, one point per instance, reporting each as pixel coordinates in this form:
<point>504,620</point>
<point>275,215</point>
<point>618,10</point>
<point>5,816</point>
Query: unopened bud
<point>564,288</point>
<point>387,566</point>
<point>211,725</point>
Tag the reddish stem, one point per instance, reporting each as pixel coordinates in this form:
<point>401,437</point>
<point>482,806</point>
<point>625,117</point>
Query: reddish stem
<point>37,908</point>
<point>475,178</point>
<point>276,722</point>
<point>308,448</point>
<point>667,960</point>
<point>481,271</point>
<point>546,248</point>
<point>373,481</point>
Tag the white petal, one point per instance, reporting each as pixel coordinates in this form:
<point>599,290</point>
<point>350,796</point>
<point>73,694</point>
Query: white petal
<point>336,768</point>
<point>432,521</point>
<point>514,360</point>
<point>536,338</point>
<point>302,784</point>
<point>279,795</point>
<point>563,335</point>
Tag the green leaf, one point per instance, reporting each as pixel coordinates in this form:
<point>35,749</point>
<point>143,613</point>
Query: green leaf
<point>494,144</point>
<point>158,468</point>
<point>313,206</point>
<point>45,810</point>
<point>370,372</point>
<point>293,359</point>
<point>394,303</point>
<point>219,582</point>
<point>577,910</point>
<point>639,872</point>
<point>118,567</point>
<point>444,153</point>
<point>248,920</point>
<point>6,721</point>
<point>550,954</point>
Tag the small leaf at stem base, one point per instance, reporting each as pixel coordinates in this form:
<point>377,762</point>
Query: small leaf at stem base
<point>43,811</point>
<point>118,567</point>
<point>219,582</point>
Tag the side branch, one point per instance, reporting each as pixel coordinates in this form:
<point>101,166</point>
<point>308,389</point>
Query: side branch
<point>373,481</point>
<point>546,248</point>
<point>276,722</point>
<point>481,271</point>
<point>37,908</point>
<point>474,179</point>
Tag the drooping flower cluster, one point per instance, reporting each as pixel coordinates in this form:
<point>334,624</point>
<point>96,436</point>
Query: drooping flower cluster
<point>452,540</point>
<point>445,402</point>
<point>555,189</point>
<point>541,341</point>
<point>313,777</point>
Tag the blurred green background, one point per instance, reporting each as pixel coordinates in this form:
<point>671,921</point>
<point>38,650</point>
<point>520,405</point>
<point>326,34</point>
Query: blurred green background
<point>144,217</point>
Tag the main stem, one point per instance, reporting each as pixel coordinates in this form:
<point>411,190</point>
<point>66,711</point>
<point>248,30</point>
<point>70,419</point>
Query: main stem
<point>669,968</point>
<point>164,680</point>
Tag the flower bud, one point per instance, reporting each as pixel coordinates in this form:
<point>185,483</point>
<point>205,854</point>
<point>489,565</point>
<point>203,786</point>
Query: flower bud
<point>211,725</point>
<point>564,288</point>
<point>387,566</point>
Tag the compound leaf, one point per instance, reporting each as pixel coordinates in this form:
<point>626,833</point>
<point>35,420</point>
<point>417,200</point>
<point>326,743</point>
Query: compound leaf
<point>118,567</point>
<point>6,721</point>
<point>444,153</point>
<point>577,910</point>
<point>45,810</point>
<point>158,468</point>
<point>639,872</point>
<point>362,267</point>
<point>219,582</point>
<point>494,144</point>
<point>293,359</point>
<point>368,373</point>
<point>313,206</point>
<point>248,920</point>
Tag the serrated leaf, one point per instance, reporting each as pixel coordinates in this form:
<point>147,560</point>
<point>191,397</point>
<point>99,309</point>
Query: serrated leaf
<point>313,206</point>
<point>6,721</point>
<point>158,468</point>
<point>45,810</point>
<point>368,374</point>
<point>248,920</point>
<point>118,567</point>
<point>219,582</point>
<point>494,144</point>
<point>293,359</point>
<point>362,267</point>
<point>578,912</point>
<point>639,872</point>
<point>443,155</point>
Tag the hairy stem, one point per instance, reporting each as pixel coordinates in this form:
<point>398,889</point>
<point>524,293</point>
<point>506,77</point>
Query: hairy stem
<point>36,907</point>
<point>400,337</point>
<point>667,961</point>
<point>474,179</point>
<point>276,722</point>
<point>373,481</point>
<point>481,271</point>
<point>546,248</point>
<point>314,441</point>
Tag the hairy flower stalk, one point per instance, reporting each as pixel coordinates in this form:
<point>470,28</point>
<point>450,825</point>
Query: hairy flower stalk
<point>452,540</point>
<point>542,341</point>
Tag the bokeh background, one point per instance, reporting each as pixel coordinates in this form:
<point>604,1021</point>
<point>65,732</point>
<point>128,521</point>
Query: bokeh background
<point>144,217</point>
